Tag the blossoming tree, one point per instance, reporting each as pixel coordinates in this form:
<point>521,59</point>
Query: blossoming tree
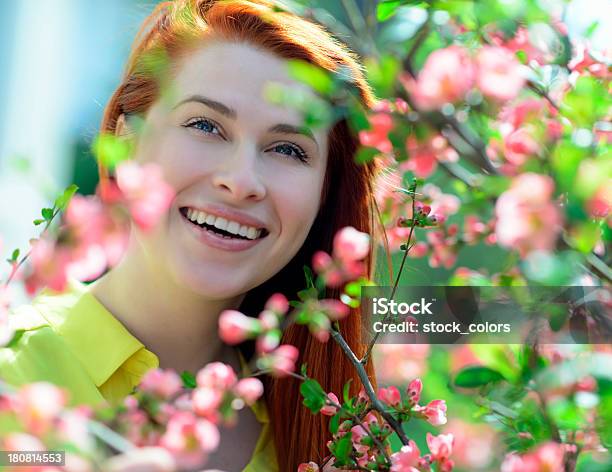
<point>493,127</point>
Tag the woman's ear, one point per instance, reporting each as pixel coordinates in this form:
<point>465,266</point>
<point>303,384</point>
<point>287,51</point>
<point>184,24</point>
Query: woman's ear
<point>122,128</point>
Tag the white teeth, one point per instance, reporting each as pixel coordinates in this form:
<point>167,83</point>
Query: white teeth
<point>220,223</point>
<point>233,227</point>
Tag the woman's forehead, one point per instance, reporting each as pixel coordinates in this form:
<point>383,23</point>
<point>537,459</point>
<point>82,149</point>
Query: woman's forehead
<point>237,72</point>
<point>234,78</point>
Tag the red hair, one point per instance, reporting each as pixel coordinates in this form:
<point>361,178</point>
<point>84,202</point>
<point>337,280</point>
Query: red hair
<point>171,31</point>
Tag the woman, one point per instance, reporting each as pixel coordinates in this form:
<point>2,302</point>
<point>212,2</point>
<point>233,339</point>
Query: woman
<point>256,195</point>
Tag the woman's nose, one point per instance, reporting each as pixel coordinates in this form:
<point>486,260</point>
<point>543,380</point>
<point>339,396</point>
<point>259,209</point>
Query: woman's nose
<point>237,175</point>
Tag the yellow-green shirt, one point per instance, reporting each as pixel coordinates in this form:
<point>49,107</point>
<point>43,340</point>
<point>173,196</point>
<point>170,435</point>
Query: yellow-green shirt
<point>71,340</point>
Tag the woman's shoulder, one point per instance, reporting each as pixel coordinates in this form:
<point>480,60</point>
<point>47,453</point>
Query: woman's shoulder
<point>39,350</point>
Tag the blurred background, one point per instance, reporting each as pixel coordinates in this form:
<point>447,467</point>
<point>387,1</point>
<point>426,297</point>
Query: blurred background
<point>62,59</point>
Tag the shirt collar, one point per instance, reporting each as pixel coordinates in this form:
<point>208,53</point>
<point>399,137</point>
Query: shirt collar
<point>96,337</point>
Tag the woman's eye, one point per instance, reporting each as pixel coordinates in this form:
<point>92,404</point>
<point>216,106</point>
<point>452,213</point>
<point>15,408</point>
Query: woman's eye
<point>204,125</point>
<point>292,151</point>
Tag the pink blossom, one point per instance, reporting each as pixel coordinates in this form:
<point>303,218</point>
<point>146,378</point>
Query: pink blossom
<point>38,405</point>
<point>500,75</point>
<point>49,266</point>
<point>216,375</point>
<point>334,309</point>
<point>308,467</point>
<point>19,442</point>
<point>329,409</point>
<point>147,195</point>
<point>440,446</point>
<point>406,459</point>
<point>377,137</point>
<point>398,363</point>
<point>321,261</point>
<point>190,439</point>
<point>162,383</point>
<point>520,145</point>
<point>583,62</point>
<point>72,427</point>
<point>281,361</point>
<point>414,391</point>
<point>338,270</point>
<point>434,412</point>
<point>527,219</point>
<point>423,157</point>
<point>442,204</point>
<point>351,245</point>
<point>547,457</point>
<point>235,327</point>
<point>278,304</point>
<point>268,320</point>
<point>206,400</point>
<point>522,42</point>
<point>474,444</point>
<point>249,389</point>
<point>473,229</point>
<point>446,77</point>
<point>390,396</point>
<point>600,203</point>
<point>268,341</point>
<point>443,248</point>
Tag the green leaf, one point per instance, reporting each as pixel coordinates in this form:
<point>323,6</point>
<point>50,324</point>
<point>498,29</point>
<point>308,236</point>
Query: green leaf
<point>477,376</point>
<point>15,339</point>
<point>307,293</point>
<point>311,75</point>
<point>38,221</point>
<point>313,394</point>
<point>346,391</point>
<point>387,9</point>
<point>587,103</point>
<point>189,380</point>
<point>365,155</point>
<point>342,449</point>
<point>62,201</point>
<point>353,288</point>
<point>334,423</point>
<point>382,73</point>
<point>308,275</point>
<point>111,150</point>
<point>14,256</point>
<point>47,214</point>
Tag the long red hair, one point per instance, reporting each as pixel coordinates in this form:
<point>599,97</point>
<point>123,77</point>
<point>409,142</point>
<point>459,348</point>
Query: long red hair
<point>171,31</point>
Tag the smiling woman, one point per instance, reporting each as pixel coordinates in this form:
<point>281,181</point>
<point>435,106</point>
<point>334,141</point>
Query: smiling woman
<point>256,194</point>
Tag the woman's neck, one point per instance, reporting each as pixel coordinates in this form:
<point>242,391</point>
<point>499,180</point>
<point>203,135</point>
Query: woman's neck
<point>178,325</point>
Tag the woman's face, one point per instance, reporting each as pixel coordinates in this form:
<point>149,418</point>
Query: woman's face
<point>238,164</point>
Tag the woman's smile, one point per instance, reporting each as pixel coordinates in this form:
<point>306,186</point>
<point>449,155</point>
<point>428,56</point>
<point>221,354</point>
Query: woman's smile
<point>222,232</point>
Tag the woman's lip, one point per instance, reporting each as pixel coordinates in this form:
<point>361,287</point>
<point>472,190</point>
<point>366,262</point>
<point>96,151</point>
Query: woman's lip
<point>218,242</point>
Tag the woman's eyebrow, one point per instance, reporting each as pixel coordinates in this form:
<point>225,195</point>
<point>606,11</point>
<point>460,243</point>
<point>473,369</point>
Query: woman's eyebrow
<point>217,106</point>
<point>231,113</point>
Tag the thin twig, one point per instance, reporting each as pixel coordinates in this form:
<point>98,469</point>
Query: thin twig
<point>366,356</point>
<point>367,385</point>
